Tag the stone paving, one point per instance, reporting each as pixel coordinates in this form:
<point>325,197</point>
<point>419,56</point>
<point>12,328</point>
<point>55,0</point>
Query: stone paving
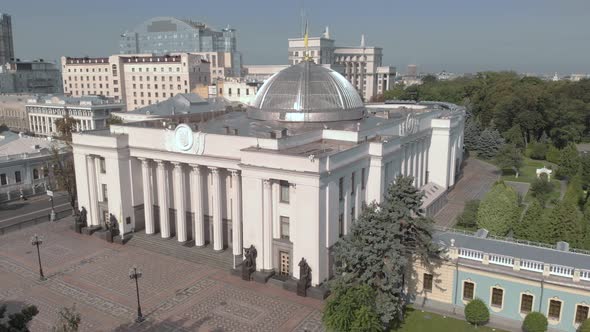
<point>477,179</point>
<point>176,294</point>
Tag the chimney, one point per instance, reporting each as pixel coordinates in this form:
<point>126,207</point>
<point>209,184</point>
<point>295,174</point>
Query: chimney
<point>563,246</point>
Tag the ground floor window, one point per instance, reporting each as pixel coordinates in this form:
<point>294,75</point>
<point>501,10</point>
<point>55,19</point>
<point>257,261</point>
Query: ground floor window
<point>468,290</point>
<point>17,177</point>
<point>284,261</point>
<point>554,309</point>
<point>526,303</point>
<point>3,180</point>
<point>427,282</point>
<point>497,297</point>
<point>581,313</point>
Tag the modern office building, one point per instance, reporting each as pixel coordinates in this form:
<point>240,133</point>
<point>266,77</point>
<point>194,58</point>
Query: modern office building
<point>13,112</point>
<point>137,80</point>
<point>25,164</point>
<point>361,65</point>
<point>37,76</point>
<point>288,175</point>
<point>6,42</point>
<point>164,35</point>
<point>90,112</point>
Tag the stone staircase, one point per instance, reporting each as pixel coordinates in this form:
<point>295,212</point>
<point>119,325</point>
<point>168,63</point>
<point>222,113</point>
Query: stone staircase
<point>186,251</point>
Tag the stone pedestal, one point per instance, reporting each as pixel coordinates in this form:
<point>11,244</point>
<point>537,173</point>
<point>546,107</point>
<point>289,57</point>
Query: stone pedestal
<point>90,229</point>
<point>262,276</point>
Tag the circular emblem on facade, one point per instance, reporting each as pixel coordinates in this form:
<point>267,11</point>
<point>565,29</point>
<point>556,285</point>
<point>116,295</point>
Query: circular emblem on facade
<point>183,137</point>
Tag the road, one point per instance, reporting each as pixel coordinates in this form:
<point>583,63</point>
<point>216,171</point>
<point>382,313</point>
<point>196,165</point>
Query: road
<point>39,206</point>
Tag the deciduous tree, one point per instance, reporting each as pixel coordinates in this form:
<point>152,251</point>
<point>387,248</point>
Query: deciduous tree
<point>510,156</point>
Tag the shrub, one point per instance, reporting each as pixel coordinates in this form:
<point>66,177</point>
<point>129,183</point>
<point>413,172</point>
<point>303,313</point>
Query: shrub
<point>553,154</point>
<point>585,326</point>
<point>538,151</point>
<point>468,218</point>
<point>476,312</point>
<point>534,322</point>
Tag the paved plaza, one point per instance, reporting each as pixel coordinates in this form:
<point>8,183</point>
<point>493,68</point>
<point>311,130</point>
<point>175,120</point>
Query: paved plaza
<point>176,294</point>
<point>477,179</point>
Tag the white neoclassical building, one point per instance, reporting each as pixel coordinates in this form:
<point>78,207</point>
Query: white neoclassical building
<point>288,176</point>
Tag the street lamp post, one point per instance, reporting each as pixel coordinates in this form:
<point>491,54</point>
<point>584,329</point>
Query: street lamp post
<point>135,273</point>
<point>36,241</point>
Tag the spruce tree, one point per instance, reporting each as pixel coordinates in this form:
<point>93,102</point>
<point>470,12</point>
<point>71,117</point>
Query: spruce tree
<point>565,224</point>
<point>489,143</point>
<point>471,133</point>
<point>532,226</point>
<point>569,161</point>
<point>499,210</point>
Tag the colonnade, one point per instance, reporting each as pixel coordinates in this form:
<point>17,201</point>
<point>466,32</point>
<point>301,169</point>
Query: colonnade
<point>195,172</point>
<point>45,125</point>
<point>415,160</point>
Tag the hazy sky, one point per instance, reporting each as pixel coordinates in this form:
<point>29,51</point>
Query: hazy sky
<point>455,35</point>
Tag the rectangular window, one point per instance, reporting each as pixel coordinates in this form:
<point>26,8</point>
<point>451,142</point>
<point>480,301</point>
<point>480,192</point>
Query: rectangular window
<point>363,178</point>
<point>581,313</point>
<point>352,217</point>
<point>526,303</point>
<point>17,177</point>
<point>284,193</point>
<point>284,228</point>
<point>341,225</point>
<point>427,282</point>
<point>468,288</point>
<point>103,166</point>
<point>352,184</point>
<point>341,189</point>
<point>3,179</point>
<point>497,297</point>
<point>105,196</point>
<point>554,309</point>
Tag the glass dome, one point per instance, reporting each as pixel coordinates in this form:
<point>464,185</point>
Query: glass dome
<point>307,92</point>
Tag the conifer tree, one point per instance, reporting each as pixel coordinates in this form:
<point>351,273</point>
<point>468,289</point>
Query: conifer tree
<point>565,224</point>
<point>498,210</point>
<point>569,161</point>
<point>532,226</point>
<point>489,143</point>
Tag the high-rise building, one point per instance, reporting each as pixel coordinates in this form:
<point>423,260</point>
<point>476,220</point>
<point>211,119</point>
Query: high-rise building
<point>6,43</point>
<point>37,76</point>
<point>163,35</point>
<point>361,65</point>
<point>138,80</point>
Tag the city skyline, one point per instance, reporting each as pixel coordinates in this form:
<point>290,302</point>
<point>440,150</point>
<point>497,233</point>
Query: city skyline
<point>530,36</point>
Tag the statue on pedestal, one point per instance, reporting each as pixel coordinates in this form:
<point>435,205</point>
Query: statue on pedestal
<point>83,217</point>
<point>304,278</point>
<point>249,264</point>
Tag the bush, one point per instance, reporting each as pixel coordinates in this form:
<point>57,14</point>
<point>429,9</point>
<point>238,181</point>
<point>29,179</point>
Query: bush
<point>538,151</point>
<point>468,218</point>
<point>585,326</point>
<point>553,154</point>
<point>534,322</point>
<point>476,312</point>
<point>351,309</point>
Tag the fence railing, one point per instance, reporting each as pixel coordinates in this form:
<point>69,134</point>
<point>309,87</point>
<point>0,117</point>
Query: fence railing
<point>35,221</point>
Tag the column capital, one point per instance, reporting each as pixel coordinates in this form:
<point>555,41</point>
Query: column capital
<point>267,182</point>
<point>234,172</point>
<point>214,170</point>
<point>176,164</point>
<point>90,157</point>
<point>160,162</point>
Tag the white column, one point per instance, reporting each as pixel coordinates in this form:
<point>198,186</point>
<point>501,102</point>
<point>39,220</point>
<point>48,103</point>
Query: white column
<point>179,203</point>
<point>237,214</point>
<point>403,153</point>
<point>267,226</point>
<point>148,198</point>
<point>94,215</point>
<point>415,165</point>
<point>419,165</point>
<point>217,213</point>
<point>423,164</point>
<point>163,199</point>
<point>197,206</point>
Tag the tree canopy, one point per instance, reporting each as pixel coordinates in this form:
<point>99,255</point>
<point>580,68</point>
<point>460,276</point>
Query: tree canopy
<point>498,210</point>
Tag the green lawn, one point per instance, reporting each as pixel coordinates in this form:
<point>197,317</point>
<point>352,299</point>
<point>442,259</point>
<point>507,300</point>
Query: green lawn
<point>528,172</point>
<point>418,321</point>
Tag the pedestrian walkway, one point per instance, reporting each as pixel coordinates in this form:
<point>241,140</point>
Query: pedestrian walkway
<point>478,178</point>
<point>186,251</point>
